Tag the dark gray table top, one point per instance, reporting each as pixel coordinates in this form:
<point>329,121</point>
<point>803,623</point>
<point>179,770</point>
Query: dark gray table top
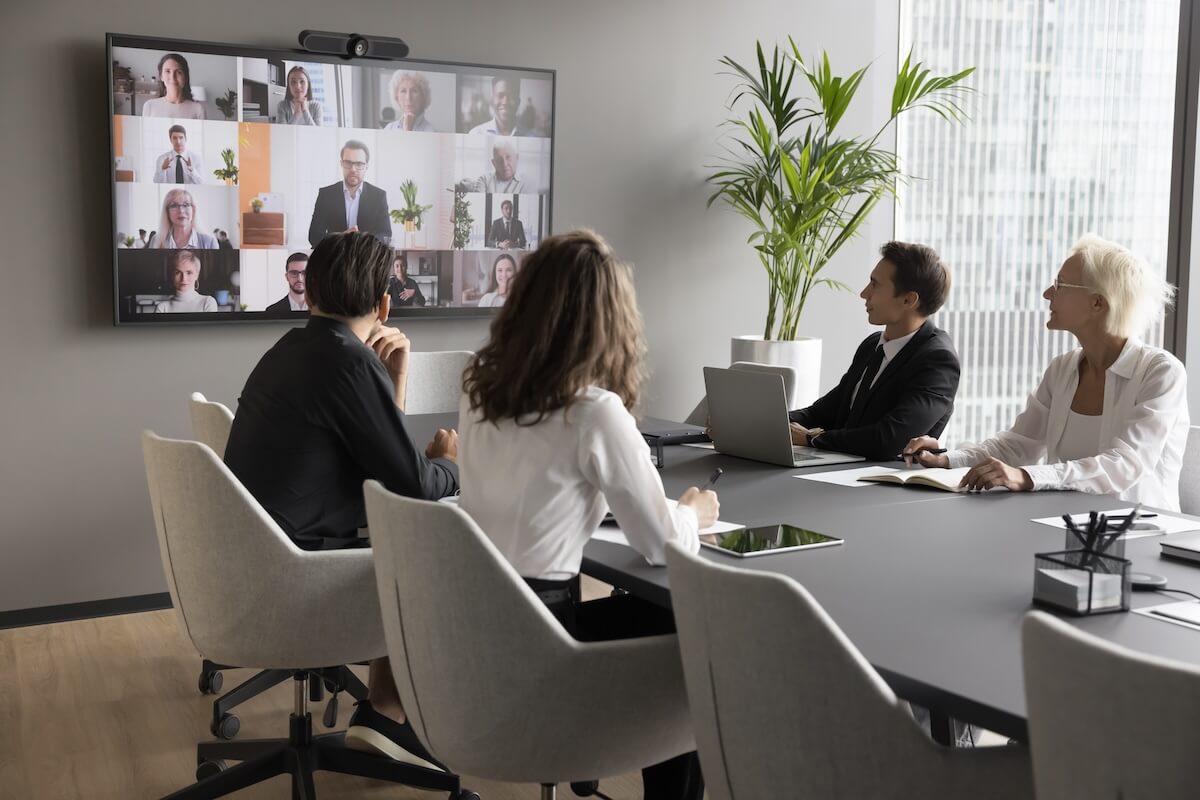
<point>930,586</point>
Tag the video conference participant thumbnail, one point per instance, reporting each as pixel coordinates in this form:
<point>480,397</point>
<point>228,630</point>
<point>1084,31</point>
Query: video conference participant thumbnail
<point>179,164</point>
<point>412,95</point>
<point>184,266</point>
<point>352,204</point>
<point>403,290</point>
<point>298,107</point>
<point>178,225</point>
<point>506,232</point>
<point>502,178</point>
<point>295,301</point>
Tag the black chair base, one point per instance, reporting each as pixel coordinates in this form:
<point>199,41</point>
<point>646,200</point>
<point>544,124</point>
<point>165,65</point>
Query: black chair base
<point>300,755</point>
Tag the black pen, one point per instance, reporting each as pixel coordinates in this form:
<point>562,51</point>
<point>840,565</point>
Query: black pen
<point>937,451</point>
<point>717,473</point>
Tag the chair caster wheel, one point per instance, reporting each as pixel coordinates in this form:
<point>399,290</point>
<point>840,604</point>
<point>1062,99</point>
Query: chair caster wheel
<point>210,682</point>
<point>226,727</point>
<point>465,794</point>
<point>206,769</point>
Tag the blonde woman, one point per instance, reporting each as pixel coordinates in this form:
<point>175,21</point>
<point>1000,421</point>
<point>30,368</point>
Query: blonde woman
<point>298,108</point>
<point>548,444</point>
<point>1108,417</point>
<point>411,96</point>
<point>177,224</point>
<point>184,266</point>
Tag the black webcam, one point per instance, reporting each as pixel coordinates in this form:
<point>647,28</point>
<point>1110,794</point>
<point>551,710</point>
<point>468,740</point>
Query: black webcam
<point>352,45</point>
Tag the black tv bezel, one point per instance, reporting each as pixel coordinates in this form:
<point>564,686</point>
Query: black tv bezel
<point>294,54</point>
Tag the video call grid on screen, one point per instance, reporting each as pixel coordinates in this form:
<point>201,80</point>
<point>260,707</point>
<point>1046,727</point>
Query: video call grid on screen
<point>242,157</point>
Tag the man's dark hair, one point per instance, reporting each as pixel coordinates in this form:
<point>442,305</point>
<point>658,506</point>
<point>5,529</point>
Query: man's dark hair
<point>348,273</point>
<point>505,203</point>
<point>354,144</point>
<point>295,257</point>
<point>918,269</point>
<point>177,129</point>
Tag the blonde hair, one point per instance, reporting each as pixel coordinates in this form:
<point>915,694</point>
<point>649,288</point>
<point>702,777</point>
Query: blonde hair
<point>571,321</point>
<point>164,219</point>
<point>418,80</point>
<point>1136,296</point>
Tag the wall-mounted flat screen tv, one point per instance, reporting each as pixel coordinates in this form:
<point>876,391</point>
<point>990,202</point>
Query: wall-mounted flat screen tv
<point>230,163</point>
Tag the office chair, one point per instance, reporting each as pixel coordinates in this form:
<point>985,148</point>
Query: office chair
<point>232,573</point>
<point>435,381</point>
<point>530,704</point>
<point>211,422</point>
<point>785,706</point>
<point>1105,721</point>
<point>1189,475</point>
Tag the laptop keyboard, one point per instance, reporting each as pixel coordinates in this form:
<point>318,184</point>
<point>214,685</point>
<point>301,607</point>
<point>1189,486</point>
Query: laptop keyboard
<point>803,454</point>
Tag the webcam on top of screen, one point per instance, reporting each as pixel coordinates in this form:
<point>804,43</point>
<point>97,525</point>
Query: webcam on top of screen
<point>353,45</point>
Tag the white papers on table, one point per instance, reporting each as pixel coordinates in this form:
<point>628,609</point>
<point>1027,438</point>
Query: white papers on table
<point>1185,613</point>
<point>701,445</point>
<point>1068,588</point>
<point>1154,526</point>
<point>846,477</point>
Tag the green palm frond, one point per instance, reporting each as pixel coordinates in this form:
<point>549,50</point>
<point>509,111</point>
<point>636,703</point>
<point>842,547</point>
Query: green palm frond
<point>805,191</point>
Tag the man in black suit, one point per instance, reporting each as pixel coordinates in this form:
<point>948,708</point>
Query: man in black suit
<point>351,204</point>
<point>507,232</point>
<point>901,382</point>
<point>294,269</point>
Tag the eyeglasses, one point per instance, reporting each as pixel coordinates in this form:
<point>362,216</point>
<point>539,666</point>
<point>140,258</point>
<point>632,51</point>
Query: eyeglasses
<point>179,206</point>
<point>295,273</point>
<point>357,166</point>
<point>1061,285</point>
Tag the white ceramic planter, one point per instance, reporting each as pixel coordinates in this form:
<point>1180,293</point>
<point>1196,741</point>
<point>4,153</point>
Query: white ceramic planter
<point>804,355</point>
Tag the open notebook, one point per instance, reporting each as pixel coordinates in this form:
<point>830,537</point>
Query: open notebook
<point>945,479</point>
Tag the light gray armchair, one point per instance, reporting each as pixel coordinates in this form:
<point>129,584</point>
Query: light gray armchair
<point>1189,474</point>
<point>785,706</point>
<point>211,422</point>
<point>245,594</point>
<point>435,381</point>
<point>1105,721</point>
<point>494,684</point>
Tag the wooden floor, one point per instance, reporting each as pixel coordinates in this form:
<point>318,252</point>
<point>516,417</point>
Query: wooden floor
<point>108,709</point>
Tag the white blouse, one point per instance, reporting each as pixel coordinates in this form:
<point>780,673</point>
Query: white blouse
<point>1081,437</point>
<point>1143,430</point>
<point>539,491</point>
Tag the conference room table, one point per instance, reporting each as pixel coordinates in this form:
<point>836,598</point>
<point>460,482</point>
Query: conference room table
<point>930,586</point>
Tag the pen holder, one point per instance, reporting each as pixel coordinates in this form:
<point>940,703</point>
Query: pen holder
<point>1116,549</point>
<point>1080,582</point>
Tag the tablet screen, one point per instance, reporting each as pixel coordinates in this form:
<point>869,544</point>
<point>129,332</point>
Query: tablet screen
<point>767,539</point>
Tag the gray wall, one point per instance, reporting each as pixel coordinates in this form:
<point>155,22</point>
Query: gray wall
<point>638,105</point>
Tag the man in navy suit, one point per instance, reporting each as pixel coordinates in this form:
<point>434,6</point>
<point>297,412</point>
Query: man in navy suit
<point>902,382</point>
<point>352,204</point>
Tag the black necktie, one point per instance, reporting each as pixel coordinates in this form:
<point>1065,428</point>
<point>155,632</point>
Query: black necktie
<point>179,169</point>
<point>864,386</point>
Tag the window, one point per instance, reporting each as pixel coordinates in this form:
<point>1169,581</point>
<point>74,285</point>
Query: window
<point>1070,132</point>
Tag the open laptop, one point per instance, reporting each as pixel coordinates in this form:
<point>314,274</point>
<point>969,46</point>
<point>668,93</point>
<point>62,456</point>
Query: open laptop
<point>749,416</point>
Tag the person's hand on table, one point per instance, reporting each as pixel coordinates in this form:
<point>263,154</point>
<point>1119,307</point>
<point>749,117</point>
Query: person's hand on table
<point>803,436</point>
<point>992,473</point>
<point>704,503</point>
<point>444,445</point>
<point>917,450</point>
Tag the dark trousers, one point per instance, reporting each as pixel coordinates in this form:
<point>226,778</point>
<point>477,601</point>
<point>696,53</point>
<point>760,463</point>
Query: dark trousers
<point>624,617</point>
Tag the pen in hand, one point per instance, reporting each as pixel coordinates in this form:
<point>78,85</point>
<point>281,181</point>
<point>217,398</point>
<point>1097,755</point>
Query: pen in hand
<point>937,451</point>
<point>712,479</point>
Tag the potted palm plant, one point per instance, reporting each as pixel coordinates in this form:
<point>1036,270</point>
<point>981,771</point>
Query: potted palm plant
<point>805,187</point>
<point>410,216</point>
<point>229,172</point>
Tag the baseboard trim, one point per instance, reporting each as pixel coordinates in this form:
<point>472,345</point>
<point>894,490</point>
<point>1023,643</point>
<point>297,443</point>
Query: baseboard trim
<point>23,617</point>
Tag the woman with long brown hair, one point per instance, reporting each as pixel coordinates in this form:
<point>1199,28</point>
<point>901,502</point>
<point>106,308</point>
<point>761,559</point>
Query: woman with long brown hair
<point>548,444</point>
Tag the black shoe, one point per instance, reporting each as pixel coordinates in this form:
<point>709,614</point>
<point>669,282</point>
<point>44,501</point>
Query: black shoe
<point>372,732</point>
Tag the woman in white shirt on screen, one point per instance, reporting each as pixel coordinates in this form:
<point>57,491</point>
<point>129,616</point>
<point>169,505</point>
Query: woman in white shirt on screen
<point>185,274</point>
<point>298,108</point>
<point>548,444</point>
<point>411,97</point>
<point>178,224</point>
<point>1110,416</point>
<point>176,93</point>
<point>504,268</point>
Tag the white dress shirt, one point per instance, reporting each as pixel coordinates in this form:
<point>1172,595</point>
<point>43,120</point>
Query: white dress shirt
<point>192,174</point>
<point>890,350</point>
<point>1143,430</point>
<point>1081,436</point>
<point>493,127</point>
<point>351,205</point>
<point>297,305</point>
<point>419,124</point>
<point>539,491</point>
